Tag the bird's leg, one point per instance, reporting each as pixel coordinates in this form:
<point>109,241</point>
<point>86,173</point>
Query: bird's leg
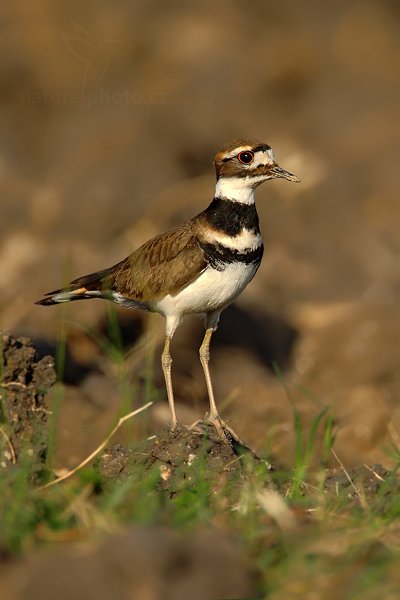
<point>166,362</point>
<point>224,432</point>
<point>204,353</point>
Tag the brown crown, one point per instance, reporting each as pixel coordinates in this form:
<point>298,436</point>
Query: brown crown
<point>230,167</point>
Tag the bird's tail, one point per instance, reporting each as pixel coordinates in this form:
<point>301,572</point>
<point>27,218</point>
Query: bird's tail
<point>94,285</point>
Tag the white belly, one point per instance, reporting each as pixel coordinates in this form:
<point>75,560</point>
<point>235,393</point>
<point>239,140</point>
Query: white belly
<point>211,291</point>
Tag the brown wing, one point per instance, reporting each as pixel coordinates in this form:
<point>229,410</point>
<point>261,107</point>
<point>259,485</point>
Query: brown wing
<point>163,265</point>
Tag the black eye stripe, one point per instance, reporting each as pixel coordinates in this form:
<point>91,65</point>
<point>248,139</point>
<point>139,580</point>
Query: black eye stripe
<point>246,157</point>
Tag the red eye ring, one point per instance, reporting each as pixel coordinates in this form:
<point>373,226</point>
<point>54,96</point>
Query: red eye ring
<point>246,157</point>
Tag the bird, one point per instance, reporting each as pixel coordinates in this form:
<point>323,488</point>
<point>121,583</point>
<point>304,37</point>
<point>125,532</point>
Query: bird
<point>198,268</point>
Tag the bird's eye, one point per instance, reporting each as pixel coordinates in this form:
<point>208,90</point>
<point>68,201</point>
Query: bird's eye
<point>246,157</point>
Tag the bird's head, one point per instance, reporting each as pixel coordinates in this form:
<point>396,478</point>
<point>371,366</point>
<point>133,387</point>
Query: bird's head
<point>243,165</point>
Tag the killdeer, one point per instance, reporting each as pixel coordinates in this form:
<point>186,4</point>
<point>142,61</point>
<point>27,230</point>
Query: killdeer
<point>198,268</point>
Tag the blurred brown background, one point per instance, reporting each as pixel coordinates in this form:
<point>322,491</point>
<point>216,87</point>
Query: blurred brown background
<point>110,114</point>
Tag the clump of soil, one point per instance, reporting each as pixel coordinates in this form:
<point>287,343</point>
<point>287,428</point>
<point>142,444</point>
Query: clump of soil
<point>364,484</point>
<point>116,461</point>
<point>24,381</point>
<point>178,455</point>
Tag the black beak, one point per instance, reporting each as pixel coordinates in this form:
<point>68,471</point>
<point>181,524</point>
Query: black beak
<point>280,173</point>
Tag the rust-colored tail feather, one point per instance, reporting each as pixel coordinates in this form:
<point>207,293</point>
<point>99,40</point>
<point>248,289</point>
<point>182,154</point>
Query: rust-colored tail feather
<point>79,289</point>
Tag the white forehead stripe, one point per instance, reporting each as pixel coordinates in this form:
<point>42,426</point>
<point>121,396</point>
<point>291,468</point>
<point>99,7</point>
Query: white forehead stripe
<point>261,157</point>
<point>236,151</point>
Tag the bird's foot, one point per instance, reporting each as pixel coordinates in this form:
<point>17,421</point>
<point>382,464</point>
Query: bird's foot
<point>176,429</point>
<point>208,426</point>
<point>225,433</point>
<point>229,436</point>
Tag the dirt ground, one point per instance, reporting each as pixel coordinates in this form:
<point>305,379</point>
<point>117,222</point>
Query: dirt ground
<point>149,562</point>
<point>142,562</point>
<point>24,383</point>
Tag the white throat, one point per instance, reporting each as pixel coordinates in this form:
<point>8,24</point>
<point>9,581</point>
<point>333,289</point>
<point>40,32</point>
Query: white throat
<point>238,189</point>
